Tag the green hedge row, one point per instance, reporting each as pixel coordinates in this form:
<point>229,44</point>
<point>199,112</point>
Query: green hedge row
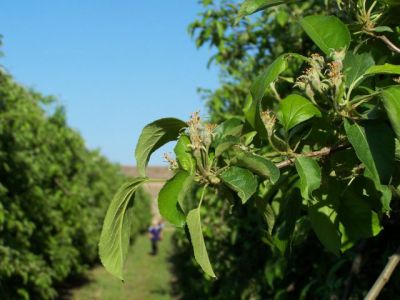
<point>53,195</point>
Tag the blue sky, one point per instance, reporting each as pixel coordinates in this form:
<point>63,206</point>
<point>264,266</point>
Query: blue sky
<point>115,65</point>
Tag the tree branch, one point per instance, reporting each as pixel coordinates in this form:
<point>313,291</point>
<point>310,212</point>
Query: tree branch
<point>384,276</point>
<point>320,153</point>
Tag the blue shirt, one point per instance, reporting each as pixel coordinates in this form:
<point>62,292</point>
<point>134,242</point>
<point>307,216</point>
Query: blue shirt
<point>155,232</point>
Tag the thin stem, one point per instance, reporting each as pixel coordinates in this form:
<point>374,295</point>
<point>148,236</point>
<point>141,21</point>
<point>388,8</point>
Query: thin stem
<point>202,195</point>
<point>156,180</point>
<point>384,39</point>
<point>389,43</point>
<point>275,92</point>
<point>384,276</point>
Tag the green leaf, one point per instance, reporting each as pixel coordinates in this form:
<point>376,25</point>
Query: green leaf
<point>383,69</point>
<point>153,136</point>
<point>267,213</point>
<point>241,181</point>
<point>231,127</point>
<point>225,144</point>
<point>374,145</point>
<point>327,32</point>
<point>295,109</point>
<point>184,155</point>
<point>271,74</point>
<point>256,164</point>
<point>383,29</point>
<point>322,219</point>
<point>258,89</point>
<point>355,65</point>
<point>171,195</point>
<point>357,217</point>
<point>310,175</point>
<point>247,138</point>
<point>196,235</point>
<point>115,234</point>
<point>391,101</point>
<point>249,7</point>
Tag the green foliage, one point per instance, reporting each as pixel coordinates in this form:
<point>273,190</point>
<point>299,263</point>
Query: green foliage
<point>327,32</point>
<point>390,97</point>
<point>308,166</point>
<point>53,195</point>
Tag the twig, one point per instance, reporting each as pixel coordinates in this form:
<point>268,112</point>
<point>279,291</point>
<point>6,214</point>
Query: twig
<point>384,276</point>
<point>384,39</point>
<point>389,43</point>
<point>320,153</point>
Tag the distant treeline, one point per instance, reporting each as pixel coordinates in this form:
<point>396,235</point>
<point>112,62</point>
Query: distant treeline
<point>53,195</point>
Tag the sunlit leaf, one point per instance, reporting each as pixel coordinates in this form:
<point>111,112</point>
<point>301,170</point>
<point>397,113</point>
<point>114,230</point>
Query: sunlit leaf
<point>184,154</point>
<point>295,109</point>
<point>249,7</point>
<point>327,32</point>
<point>196,235</point>
<point>391,101</point>
<point>115,235</point>
<point>310,175</point>
<point>153,136</point>
<point>171,195</point>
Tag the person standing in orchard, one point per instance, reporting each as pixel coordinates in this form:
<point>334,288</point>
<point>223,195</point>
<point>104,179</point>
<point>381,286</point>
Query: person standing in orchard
<point>155,235</point>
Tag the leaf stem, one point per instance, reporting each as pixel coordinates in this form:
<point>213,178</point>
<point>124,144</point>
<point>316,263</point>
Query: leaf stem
<point>202,195</point>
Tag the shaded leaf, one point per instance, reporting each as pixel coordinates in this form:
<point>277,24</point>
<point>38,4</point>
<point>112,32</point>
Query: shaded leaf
<point>196,235</point>
<point>241,181</point>
<point>327,32</point>
<point>225,144</point>
<point>171,195</point>
<point>256,164</point>
<point>231,127</point>
<point>295,109</point>
<point>322,219</point>
<point>355,65</point>
<point>115,234</point>
<point>153,136</point>
<point>357,217</point>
